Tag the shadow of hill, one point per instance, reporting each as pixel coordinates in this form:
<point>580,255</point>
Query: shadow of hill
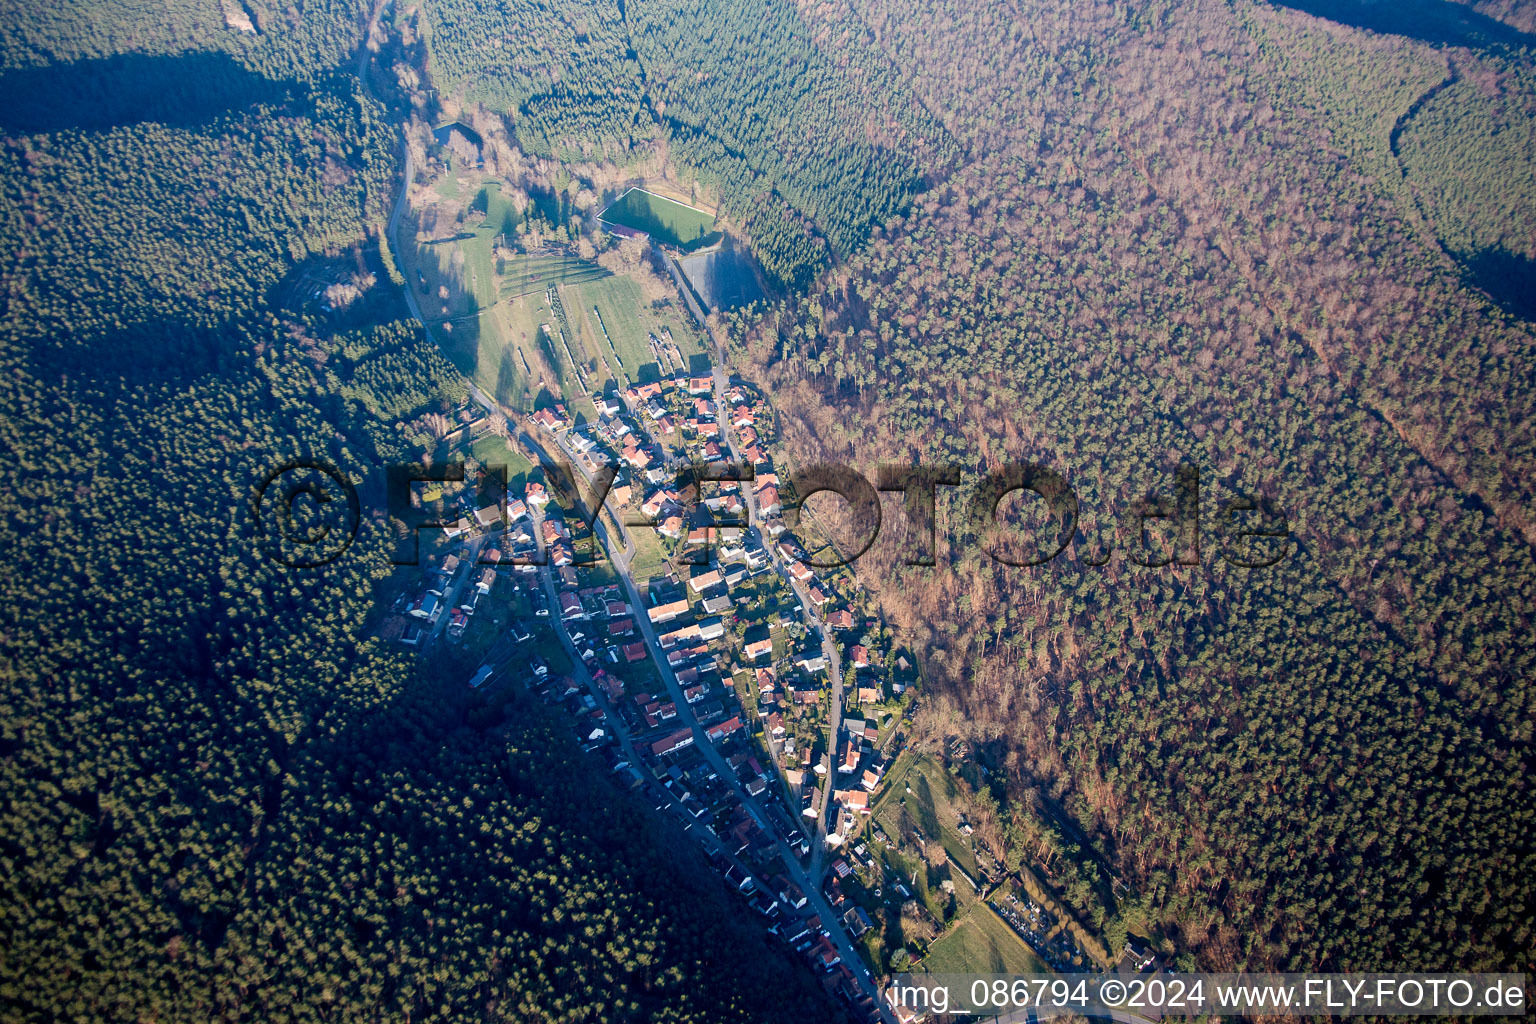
<point>144,354</point>
<point>1437,22</point>
<point>130,88</point>
<point>1508,278</point>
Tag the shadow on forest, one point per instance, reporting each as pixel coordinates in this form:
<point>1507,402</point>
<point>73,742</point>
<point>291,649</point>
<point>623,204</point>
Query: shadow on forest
<point>137,355</point>
<point>1507,277</point>
<point>131,88</point>
<point>1437,22</point>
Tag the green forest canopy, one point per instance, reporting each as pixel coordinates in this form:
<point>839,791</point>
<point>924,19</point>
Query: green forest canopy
<point>222,799</point>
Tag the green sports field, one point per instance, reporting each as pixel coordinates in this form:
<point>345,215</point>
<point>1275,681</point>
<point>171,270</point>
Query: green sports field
<point>665,220</point>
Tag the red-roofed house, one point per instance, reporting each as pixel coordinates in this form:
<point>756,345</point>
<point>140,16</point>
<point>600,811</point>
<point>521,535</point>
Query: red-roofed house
<point>676,740</point>
<point>721,730</point>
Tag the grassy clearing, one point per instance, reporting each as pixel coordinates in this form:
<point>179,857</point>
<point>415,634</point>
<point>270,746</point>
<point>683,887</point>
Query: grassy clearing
<point>525,275</point>
<point>980,942</point>
<point>546,346</point>
<point>588,347</point>
<point>665,220</point>
<point>650,557</point>
<point>627,320</point>
<point>488,322</point>
<point>932,806</point>
<point>491,450</point>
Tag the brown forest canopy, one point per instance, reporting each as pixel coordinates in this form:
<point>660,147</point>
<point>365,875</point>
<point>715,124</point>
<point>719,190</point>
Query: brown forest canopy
<point>1182,234</point>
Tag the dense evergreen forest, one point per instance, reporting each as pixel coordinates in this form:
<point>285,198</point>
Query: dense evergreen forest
<point>1211,235</point>
<point>222,799</point>
<point>810,138</point>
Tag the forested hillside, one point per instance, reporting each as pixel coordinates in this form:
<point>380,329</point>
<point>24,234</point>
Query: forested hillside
<point>809,137</point>
<point>302,40</point>
<point>1174,242</point>
<point>564,70</point>
<point>222,799</point>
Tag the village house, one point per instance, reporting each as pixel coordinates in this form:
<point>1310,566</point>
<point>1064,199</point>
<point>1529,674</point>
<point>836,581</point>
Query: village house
<point>671,742</point>
<point>703,581</point>
<point>426,606</point>
<point>848,755</point>
<point>552,419</point>
<point>681,634</point>
<point>667,612</point>
<point>812,661</point>
<point>721,730</point>
<point>636,456</point>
